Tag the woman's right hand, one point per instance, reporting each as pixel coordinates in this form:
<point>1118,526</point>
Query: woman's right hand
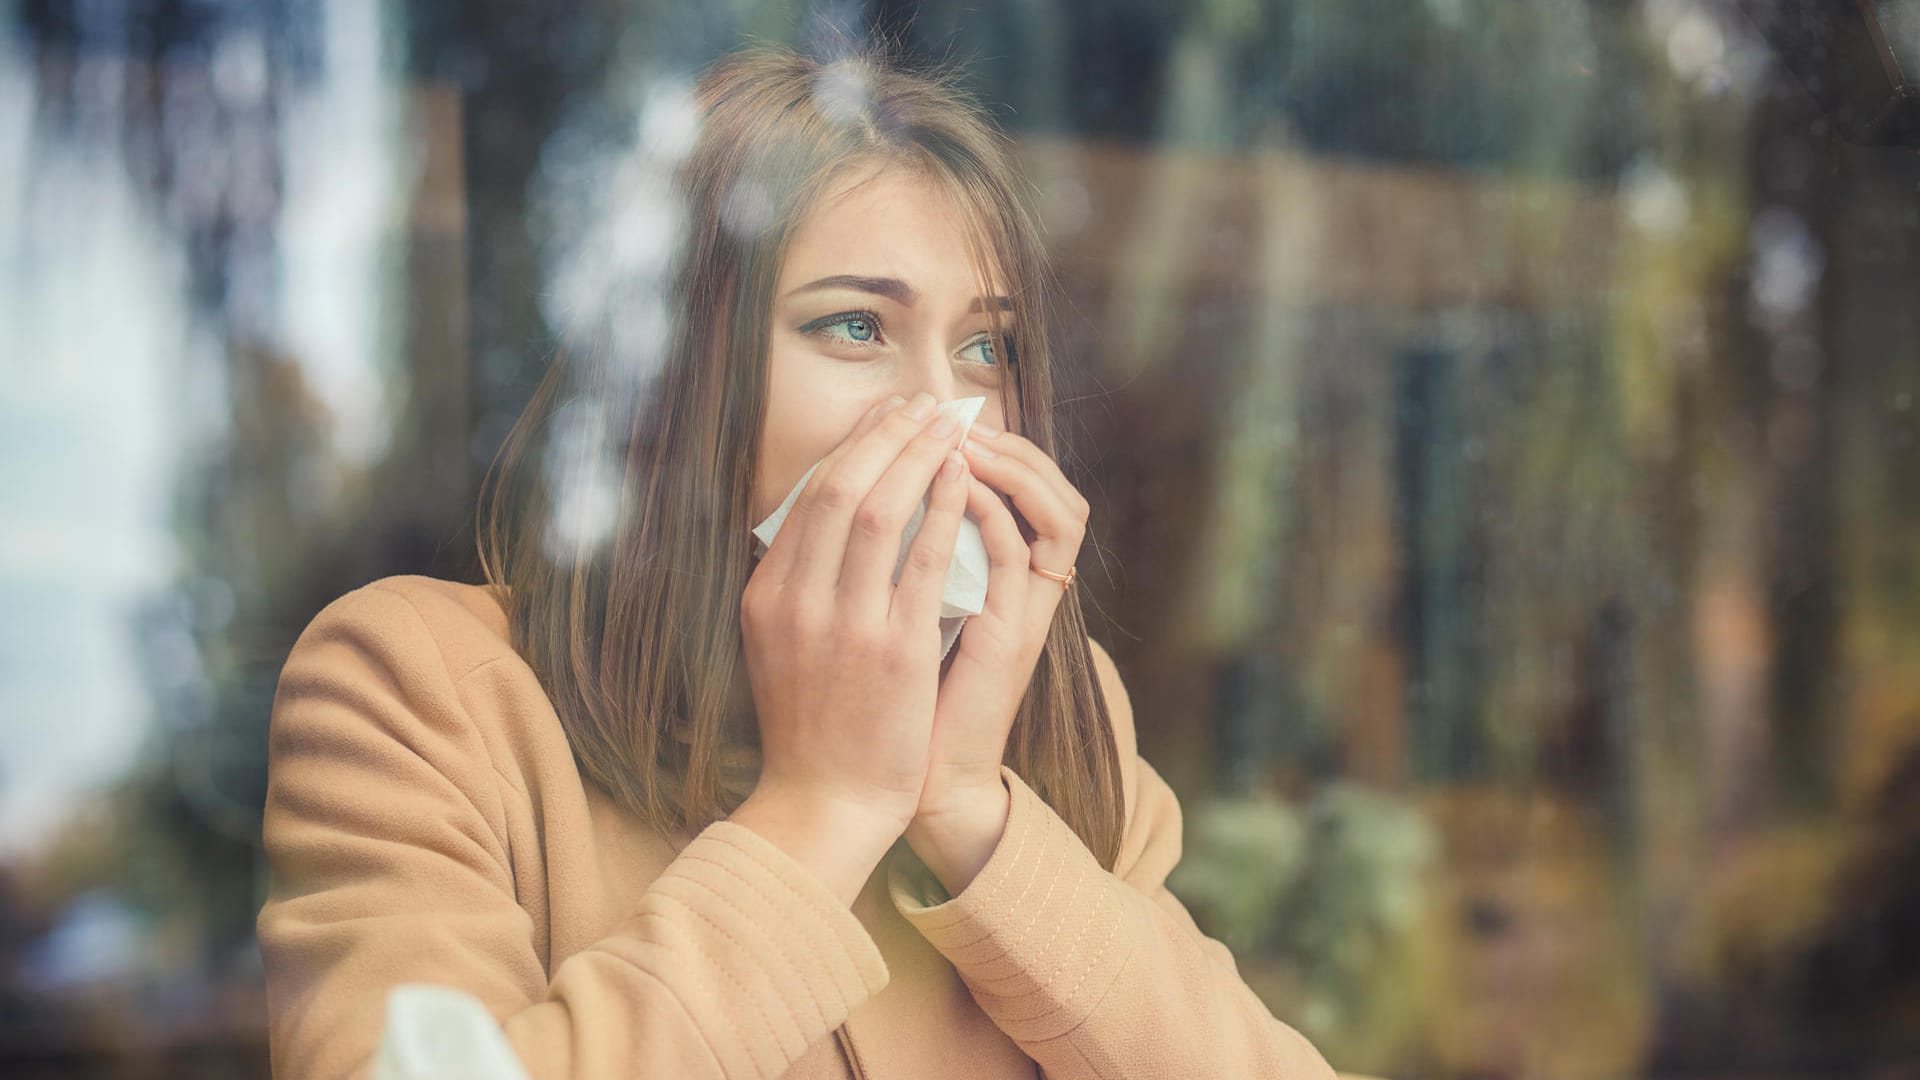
<point>844,663</point>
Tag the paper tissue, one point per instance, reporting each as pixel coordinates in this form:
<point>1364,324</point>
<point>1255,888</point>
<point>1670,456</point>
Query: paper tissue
<point>436,1032</point>
<point>966,588</point>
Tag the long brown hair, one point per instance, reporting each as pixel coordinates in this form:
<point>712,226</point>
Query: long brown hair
<point>634,629</point>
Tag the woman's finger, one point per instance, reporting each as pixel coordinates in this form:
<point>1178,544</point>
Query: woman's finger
<point>1010,445</point>
<point>840,485</point>
<point>777,562</point>
<point>1008,555</point>
<point>1058,526</point>
<point>873,545</point>
<point>923,580</point>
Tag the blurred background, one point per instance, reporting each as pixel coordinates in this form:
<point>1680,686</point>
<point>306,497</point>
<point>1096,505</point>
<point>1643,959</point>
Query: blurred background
<point>1499,418</point>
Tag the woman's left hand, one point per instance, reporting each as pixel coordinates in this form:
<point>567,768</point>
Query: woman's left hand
<point>964,801</point>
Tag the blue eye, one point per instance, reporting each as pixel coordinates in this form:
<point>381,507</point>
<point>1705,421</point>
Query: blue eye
<point>860,326</point>
<point>987,354</point>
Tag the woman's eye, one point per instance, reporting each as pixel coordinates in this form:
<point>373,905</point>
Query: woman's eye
<point>983,351</point>
<point>859,327</point>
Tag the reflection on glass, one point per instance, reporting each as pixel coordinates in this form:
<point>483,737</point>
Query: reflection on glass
<point>1500,421</point>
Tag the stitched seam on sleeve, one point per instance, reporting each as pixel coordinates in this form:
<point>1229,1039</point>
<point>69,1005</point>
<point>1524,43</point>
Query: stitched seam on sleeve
<point>1045,907</point>
<point>672,991</point>
<point>721,836</point>
<point>1086,925</point>
<point>812,955</point>
<point>962,915</point>
<point>999,937</point>
<point>805,902</point>
<point>1098,954</point>
<point>810,903</point>
<point>1025,932</point>
<point>1044,826</point>
<point>1081,1019</point>
<point>1101,1000</point>
<point>765,1016</point>
<point>718,966</point>
<point>986,985</point>
<point>673,995</point>
<point>858,949</point>
<point>1073,1045</point>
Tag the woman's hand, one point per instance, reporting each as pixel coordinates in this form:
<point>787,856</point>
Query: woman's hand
<point>963,804</point>
<point>844,663</point>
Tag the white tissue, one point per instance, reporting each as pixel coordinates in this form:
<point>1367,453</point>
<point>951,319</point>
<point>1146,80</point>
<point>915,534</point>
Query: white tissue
<point>436,1032</point>
<point>966,588</point>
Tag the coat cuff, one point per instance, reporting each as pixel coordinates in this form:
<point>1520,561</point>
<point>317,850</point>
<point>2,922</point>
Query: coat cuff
<point>1037,935</point>
<point>743,885</point>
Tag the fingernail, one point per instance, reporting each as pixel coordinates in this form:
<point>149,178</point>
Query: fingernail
<point>982,430</point>
<point>981,450</point>
<point>944,426</point>
<point>922,406</point>
<point>953,466</point>
<point>892,403</point>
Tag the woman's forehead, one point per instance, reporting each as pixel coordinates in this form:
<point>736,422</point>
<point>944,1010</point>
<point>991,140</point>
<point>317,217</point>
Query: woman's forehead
<point>886,221</point>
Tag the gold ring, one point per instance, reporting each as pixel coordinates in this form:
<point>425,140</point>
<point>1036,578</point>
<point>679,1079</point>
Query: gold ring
<point>1065,580</point>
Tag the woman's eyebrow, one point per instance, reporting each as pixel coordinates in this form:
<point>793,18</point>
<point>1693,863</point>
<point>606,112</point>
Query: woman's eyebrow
<point>892,288</point>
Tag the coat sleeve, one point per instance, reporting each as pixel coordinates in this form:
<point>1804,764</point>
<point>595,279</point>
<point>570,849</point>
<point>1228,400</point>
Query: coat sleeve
<point>1098,974</point>
<point>384,836</point>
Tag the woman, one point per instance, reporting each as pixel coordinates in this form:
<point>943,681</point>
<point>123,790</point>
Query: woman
<point>669,811</point>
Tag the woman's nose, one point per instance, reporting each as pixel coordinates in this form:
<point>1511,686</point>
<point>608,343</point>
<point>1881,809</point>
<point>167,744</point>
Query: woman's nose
<point>934,376</point>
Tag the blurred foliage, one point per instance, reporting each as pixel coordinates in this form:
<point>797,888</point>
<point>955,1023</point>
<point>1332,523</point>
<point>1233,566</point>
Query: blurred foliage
<point>1328,891</point>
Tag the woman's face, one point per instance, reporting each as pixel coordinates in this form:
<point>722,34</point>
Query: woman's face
<point>913,321</point>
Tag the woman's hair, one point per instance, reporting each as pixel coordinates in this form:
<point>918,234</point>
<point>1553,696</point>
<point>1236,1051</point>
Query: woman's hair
<point>634,630</point>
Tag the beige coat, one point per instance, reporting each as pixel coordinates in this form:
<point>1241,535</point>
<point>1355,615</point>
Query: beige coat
<point>425,822</point>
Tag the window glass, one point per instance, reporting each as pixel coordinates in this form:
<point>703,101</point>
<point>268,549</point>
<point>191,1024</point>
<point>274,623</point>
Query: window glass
<point>1499,422</point>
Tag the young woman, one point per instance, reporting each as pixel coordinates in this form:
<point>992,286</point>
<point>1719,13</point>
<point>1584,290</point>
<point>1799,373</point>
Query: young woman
<point>669,809</point>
